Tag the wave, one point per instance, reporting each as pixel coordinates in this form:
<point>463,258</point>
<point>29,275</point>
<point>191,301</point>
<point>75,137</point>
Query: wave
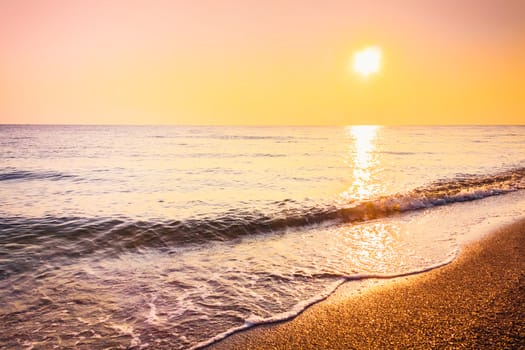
<point>73,236</point>
<point>9,174</point>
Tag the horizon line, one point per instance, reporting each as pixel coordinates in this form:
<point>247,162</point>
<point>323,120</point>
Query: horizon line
<point>253,125</point>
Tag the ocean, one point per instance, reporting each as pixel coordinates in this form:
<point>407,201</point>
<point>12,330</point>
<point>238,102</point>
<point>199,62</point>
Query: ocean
<point>176,236</point>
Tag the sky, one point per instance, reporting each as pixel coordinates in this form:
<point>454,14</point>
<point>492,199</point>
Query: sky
<point>271,62</point>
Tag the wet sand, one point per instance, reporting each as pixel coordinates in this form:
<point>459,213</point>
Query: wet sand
<point>477,302</point>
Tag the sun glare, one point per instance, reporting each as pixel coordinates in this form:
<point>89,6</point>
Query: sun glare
<point>362,162</point>
<point>367,61</point>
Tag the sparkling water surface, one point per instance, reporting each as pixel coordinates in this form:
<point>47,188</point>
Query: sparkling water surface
<point>170,237</point>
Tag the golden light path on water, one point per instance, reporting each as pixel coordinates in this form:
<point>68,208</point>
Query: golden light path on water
<point>363,162</point>
<point>373,242</point>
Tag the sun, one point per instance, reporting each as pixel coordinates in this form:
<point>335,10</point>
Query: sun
<point>367,61</point>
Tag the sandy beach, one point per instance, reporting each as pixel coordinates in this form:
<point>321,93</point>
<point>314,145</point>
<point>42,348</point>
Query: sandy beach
<point>477,302</point>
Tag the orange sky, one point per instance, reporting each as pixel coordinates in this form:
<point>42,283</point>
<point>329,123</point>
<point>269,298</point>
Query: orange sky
<point>261,62</point>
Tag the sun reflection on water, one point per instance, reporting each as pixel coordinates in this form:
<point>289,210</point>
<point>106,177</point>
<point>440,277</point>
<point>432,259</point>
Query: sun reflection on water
<point>362,162</point>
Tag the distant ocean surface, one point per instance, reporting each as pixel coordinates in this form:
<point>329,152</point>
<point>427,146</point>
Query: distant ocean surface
<point>171,237</point>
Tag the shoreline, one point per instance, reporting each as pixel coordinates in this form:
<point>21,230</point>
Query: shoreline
<point>477,301</point>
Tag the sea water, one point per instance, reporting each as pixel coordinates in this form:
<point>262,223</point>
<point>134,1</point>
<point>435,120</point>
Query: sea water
<point>175,236</point>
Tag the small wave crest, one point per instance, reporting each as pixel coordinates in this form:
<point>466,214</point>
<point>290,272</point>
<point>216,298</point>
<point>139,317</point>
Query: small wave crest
<point>11,174</point>
<point>462,188</point>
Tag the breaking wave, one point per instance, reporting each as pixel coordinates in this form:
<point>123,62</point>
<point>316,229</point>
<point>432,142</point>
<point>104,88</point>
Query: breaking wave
<point>73,236</point>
